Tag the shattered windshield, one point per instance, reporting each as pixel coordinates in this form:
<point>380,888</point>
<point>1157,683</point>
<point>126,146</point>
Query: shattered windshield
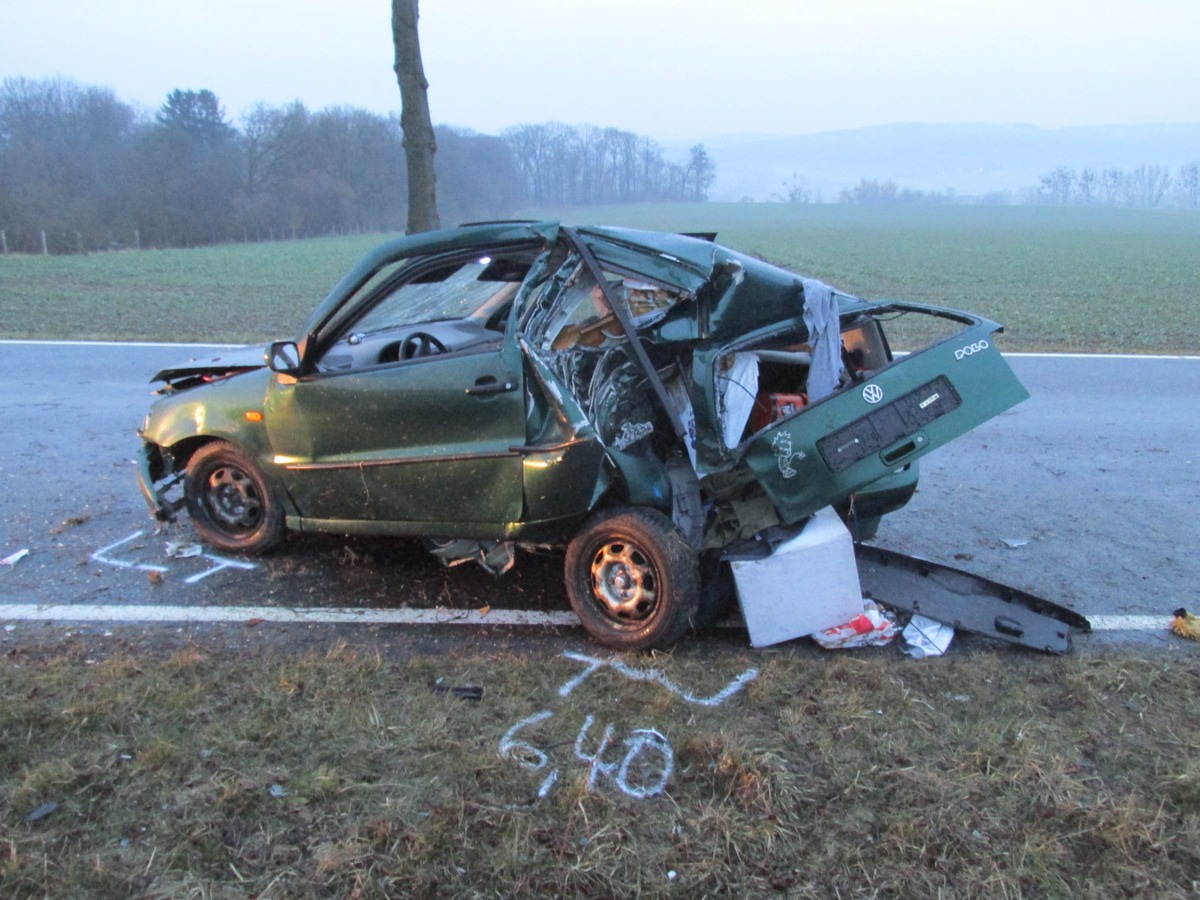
<point>457,290</point>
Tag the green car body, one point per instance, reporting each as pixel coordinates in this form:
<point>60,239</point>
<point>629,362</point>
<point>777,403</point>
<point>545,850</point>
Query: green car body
<point>644,400</point>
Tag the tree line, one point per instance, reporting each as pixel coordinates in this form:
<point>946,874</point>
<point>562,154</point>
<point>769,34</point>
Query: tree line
<point>1143,186</point>
<point>568,164</point>
<point>81,170</point>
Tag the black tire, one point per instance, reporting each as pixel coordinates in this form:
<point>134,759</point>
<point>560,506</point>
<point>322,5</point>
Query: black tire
<point>633,579</point>
<point>230,501</point>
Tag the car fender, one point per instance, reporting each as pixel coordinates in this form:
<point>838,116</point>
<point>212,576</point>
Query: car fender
<point>230,409</point>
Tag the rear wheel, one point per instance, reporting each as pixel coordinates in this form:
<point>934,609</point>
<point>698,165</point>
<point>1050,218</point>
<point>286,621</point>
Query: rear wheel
<point>230,501</point>
<point>633,579</point>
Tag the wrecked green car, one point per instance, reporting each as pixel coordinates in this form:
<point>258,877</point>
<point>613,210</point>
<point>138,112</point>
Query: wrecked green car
<point>646,402</point>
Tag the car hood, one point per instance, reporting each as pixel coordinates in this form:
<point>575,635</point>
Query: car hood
<point>229,361</point>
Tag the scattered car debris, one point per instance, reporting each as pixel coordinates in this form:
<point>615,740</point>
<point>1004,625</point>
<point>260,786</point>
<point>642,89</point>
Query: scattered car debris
<point>1186,624</point>
<point>184,549</point>
<point>926,637</point>
<point>648,404</point>
<point>470,692</point>
<point>966,601</point>
<point>1014,543</point>
<point>794,584</point>
<point>13,558</point>
<point>873,627</point>
<point>42,811</point>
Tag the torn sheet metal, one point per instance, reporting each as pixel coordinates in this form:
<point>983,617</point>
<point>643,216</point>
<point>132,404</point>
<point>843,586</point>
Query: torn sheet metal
<point>497,557</point>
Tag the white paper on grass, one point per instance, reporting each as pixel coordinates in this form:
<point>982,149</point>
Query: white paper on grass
<point>926,637</point>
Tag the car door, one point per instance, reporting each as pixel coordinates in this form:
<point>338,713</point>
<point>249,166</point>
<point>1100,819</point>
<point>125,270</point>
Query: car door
<point>376,439</point>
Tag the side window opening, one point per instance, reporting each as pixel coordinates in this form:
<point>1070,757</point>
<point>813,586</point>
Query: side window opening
<point>460,303</point>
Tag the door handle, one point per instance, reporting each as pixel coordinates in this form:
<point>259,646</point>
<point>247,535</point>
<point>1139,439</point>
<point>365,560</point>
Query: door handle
<point>489,384</point>
<point>903,449</point>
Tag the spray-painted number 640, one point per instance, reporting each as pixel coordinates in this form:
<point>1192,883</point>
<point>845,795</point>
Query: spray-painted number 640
<point>642,772</point>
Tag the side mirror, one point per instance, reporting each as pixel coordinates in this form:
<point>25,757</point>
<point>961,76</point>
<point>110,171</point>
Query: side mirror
<point>283,357</point>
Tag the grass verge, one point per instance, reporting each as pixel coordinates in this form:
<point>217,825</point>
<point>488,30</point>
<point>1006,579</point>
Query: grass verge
<point>203,772</point>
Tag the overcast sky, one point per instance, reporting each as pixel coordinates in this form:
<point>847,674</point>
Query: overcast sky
<point>668,69</point>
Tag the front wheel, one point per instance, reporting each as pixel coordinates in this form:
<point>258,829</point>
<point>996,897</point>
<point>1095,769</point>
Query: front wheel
<point>230,502</point>
<point>633,579</point>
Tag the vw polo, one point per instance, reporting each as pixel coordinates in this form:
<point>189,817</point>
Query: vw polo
<point>647,403</point>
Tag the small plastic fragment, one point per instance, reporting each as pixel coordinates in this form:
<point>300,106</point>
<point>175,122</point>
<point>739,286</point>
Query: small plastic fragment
<point>470,692</point>
<point>13,558</point>
<point>42,811</point>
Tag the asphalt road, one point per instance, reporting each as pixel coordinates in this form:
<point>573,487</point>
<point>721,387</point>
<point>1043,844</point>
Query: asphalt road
<point>1086,494</point>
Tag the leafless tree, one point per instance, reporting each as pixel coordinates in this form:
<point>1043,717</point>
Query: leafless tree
<point>420,142</point>
<point>1085,186</point>
<point>1187,185</point>
<point>1146,186</point>
<point>1058,185</point>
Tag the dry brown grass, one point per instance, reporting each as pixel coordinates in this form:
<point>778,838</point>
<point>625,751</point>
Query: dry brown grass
<point>985,774</point>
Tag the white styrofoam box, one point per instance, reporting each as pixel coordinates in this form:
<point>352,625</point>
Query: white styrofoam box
<point>808,584</point>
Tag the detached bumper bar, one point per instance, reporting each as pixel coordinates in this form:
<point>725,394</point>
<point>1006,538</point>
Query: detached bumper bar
<point>965,601</point>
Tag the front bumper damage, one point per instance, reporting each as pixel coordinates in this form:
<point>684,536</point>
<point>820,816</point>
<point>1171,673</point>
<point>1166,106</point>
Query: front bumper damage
<point>157,480</point>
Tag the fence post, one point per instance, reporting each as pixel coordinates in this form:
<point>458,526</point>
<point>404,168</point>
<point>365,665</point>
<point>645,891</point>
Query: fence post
<point>45,249</point>
<point>3,242</point>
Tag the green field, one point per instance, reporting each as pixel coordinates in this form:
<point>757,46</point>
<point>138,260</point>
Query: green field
<point>1058,279</point>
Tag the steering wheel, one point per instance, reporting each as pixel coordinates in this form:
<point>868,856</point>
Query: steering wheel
<point>419,344</point>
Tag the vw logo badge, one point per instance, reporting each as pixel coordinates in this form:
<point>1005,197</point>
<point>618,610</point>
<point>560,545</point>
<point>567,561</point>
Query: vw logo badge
<point>872,393</point>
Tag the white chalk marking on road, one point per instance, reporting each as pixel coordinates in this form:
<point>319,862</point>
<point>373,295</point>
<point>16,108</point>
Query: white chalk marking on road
<point>221,562</point>
<point>86,612</point>
<point>101,556</point>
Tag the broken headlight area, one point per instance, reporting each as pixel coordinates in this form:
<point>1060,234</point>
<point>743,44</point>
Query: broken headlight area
<point>160,482</point>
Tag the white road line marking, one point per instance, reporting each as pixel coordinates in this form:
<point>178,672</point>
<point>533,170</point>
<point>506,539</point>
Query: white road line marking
<point>64,612</point>
<point>152,344</point>
<point>86,612</point>
<point>1130,623</point>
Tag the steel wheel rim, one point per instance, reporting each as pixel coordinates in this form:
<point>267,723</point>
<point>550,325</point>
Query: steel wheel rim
<point>625,582</point>
<point>233,499</point>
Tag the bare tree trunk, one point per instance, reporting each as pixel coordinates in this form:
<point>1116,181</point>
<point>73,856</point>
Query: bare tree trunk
<point>419,142</point>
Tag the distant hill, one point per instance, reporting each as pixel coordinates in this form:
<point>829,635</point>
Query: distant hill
<point>968,159</point>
